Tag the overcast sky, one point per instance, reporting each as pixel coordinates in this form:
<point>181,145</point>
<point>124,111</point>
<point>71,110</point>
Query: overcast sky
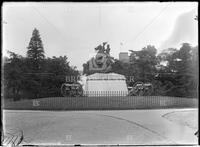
<point>75,29</point>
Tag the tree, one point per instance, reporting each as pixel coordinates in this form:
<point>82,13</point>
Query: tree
<point>164,58</point>
<point>179,72</point>
<point>35,76</point>
<point>144,62</point>
<point>21,82</point>
<point>56,69</point>
<point>35,50</point>
<point>181,60</point>
<point>13,75</point>
<point>141,66</point>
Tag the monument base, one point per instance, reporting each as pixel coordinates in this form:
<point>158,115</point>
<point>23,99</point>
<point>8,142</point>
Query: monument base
<point>105,84</point>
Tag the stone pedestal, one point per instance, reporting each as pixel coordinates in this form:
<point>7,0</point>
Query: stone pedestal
<point>105,84</point>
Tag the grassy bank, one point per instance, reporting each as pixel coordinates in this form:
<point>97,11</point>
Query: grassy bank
<point>102,103</point>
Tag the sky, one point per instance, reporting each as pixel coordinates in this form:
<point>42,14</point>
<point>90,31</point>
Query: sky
<point>75,29</point>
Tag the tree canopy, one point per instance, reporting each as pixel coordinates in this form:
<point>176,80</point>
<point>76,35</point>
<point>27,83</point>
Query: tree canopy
<point>173,72</point>
<point>35,76</point>
<point>35,51</point>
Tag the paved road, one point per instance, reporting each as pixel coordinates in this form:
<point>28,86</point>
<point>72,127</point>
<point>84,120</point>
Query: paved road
<point>105,127</point>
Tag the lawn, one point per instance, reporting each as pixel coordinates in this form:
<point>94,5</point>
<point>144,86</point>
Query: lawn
<point>102,103</point>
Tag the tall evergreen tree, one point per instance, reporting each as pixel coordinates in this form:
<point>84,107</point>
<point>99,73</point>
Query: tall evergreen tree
<point>35,50</point>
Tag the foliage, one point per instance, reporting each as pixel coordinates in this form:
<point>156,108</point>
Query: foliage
<point>181,71</point>
<point>35,76</point>
<point>144,62</point>
<point>35,51</point>
<point>141,66</point>
<point>173,72</point>
<point>13,77</point>
<point>20,81</point>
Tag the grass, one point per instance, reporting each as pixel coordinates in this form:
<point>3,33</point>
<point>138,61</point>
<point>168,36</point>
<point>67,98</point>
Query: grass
<point>102,103</point>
